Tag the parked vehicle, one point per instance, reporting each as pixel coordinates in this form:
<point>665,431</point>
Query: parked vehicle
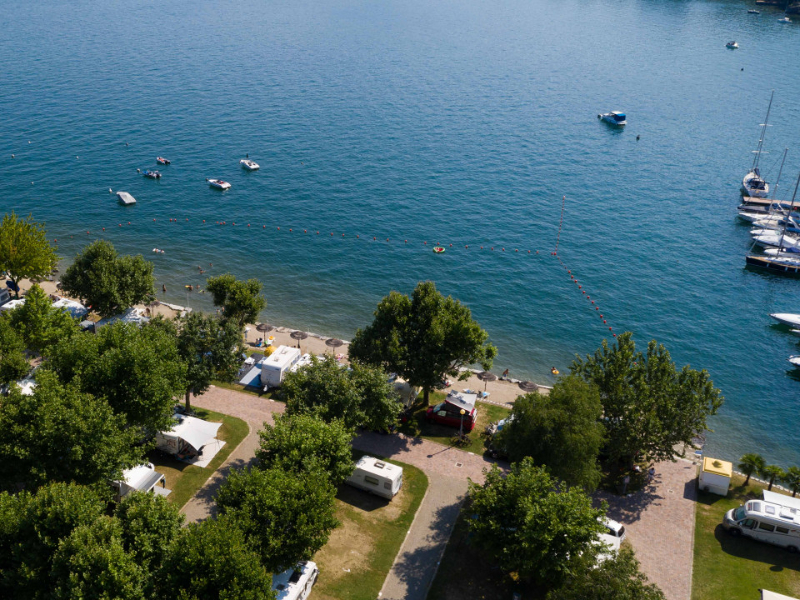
<point>277,364</point>
<point>766,521</point>
<point>449,412</point>
<point>377,477</point>
<point>295,583</point>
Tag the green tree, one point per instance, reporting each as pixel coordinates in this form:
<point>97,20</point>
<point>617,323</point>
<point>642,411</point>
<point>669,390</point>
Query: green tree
<point>241,301</point>
<point>751,463</point>
<point>212,561</point>
<point>61,434</point>
<point>770,473</point>
<point>137,369</point>
<point>286,517</point>
<point>107,282</point>
<point>530,524</point>
<point>360,396</point>
<point>13,363</point>
<point>31,528</point>
<point>25,252</point>
<point>303,443</point>
<point>149,524</point>
<point>423,338</point>
<point>649,407</point>
<point>561,431</point>
<point>791,477</point>
<point>39,323</point>
<point>92,564</point>
<point>211,349</point>
<point>616,578</point>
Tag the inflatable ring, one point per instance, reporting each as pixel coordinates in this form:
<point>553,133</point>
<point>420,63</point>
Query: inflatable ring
<point>438,250</point>
<point>554,371</point>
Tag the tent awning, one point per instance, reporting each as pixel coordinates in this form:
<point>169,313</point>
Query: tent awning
<point>195,432</point>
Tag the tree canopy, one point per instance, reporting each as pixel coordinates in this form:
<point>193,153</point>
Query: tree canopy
<point>61,434</point>
<point>360,397</point>
<point>561,431</point>
<point>532,525</point>
<point>212,561</point>
<point>149,525</point>
<point>302,443</point>
<point>25,252</point>
<point>649,407</point>
<point>137,369</point>
<point>13,362</point>
<point>241,301</point>
<point>751,463</point>
<point>616,578</point>
<point>108,282</point>
<point>423,338</point>
<point>210,348</point>
<point>286,517</point>
<point>40,324</point>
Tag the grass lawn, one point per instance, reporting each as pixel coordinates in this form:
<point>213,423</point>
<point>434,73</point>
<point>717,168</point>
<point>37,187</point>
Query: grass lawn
<point>355,561</point>
<point>240,388</point>
<point>418,426</point>
<point>183,479</point>
<point>736,568</point>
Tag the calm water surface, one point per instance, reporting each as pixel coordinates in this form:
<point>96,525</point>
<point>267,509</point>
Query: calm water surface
<point>451,122</point>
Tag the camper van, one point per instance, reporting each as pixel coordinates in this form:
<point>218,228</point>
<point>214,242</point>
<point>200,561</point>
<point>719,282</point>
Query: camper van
<point>775,520</point>
<point>277,364</point>
<point>295,583</point>
<point>377,476</point>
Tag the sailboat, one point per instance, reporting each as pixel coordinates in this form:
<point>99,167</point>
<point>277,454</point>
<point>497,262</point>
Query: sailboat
<point>757,209</point>
<point>779,263</point>
<point>753,183</point>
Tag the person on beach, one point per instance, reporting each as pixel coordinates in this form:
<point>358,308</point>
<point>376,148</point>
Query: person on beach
<point>505,374</point>
<point>651,474</point>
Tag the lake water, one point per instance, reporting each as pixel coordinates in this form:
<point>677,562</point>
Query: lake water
<point>451,122</point>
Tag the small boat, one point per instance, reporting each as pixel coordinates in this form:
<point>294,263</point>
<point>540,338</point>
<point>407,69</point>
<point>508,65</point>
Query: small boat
<point>614,117</point>
<point>732,45</point>
<point>152,174</point>
<point>753,11</point>
<point>785,20</point>
<point>249,165</point>
<point>795,360</point>
<point>753,183</point>
<point>162,161</point>
<point>218,184</point>
<point>125,198</point>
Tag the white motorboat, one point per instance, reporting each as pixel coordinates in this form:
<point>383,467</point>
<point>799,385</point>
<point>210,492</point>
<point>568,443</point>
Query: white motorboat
<point>776,239</point>
<point>795,360</point>
<point>152,174</point>
<point>125,198</point>
<point>775,223</point>
<point>219,184</point>
<point>732,45</point>
<point>785,20</point>
<point>789,319</point>
<point>249,165</point>
<point>753,11</point>
<point>614,117</point>
<point>753,183</point>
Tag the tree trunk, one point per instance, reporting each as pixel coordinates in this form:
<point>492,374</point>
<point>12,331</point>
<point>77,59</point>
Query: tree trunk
<point>746,481</point>
<point>16,285</point>
<point>426,395</point>
<point>771,481</point>
<point>794,492</point>
<point>188,401</point>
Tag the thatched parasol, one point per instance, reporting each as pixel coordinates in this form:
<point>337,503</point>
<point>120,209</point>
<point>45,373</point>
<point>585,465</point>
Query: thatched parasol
<point>486,377</point>
<point>528,386</point>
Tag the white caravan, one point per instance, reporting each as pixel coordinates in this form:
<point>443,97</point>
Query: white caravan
<point>775,520</point>
<point>295,583</point>
<point>142,478</point>
<point>377,476</point>
<point>277,364</point>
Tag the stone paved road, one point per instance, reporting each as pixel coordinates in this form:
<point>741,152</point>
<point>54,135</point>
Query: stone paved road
<point>659,519</point>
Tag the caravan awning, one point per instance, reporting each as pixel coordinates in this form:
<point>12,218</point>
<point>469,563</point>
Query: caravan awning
<point>195,432</point>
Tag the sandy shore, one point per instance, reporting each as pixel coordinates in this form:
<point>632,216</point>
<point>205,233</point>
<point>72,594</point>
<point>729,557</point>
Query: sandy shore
<point>500,392</point>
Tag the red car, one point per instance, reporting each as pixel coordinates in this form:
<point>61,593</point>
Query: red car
<point>449,411</point>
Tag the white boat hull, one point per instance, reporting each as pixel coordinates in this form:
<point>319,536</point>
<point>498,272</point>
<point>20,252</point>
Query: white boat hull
<point>218,184</point>
<point>754,191</point>
<point>790,319</point>
<point>249,165</point>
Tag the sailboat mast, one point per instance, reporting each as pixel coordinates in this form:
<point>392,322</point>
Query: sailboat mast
<point>763,133</point>
<point>791,210</point>
<point>777,183</point>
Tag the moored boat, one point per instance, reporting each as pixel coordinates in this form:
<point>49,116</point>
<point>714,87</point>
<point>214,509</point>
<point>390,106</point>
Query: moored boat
<point>753,183</point>
<point>732,45</point>
<point>788,319</point>
<point>125,198</point>
<point>753,11</point>
<point>162,161</point>
<point>614,118</point>
<point>152,174</point>
<point>779,264</point>
<point>795,361</point>
<point>249,165</point>
<point>219,184</point>
<point>785,20</point>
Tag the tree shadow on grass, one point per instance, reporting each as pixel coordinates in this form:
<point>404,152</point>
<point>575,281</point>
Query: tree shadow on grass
<point>750,549</point>
<point>360,499</point>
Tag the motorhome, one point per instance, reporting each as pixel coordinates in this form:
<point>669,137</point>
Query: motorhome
<point>377,476</point>
<point>295,583</point>
<point>457,410</point>
<point>775,520</point>
<point>277,364</point>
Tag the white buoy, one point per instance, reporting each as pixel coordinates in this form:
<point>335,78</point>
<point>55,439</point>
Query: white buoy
<point>109,191</point>
<point>12,156</point>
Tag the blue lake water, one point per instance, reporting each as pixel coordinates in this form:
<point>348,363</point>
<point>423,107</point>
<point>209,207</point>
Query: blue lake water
<point>454,122</point>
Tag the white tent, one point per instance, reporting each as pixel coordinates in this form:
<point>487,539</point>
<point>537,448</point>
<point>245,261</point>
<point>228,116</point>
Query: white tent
<point>75,309</point>
<point>132,315</point>
<point>188,437</point>
<point>142,478</point>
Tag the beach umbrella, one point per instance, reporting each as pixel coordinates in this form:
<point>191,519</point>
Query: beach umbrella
<point>528,386</point>
<point>264,327</point>
<point>333,343</point>
<point>486,377</point>
<point>298,335</point>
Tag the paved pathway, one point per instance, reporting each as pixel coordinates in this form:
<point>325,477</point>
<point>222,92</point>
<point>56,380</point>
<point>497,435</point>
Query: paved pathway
<point>659,519</point>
